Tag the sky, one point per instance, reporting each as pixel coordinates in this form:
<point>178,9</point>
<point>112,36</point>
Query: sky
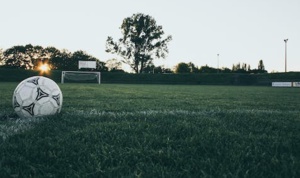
<point>244,31</point>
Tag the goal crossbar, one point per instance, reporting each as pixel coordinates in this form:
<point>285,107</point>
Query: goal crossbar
<point>63,75</point>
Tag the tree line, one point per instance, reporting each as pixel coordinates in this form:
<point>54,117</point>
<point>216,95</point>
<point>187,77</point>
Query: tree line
<point>31,57</point>
<point>236,68</point>
<point>142,41</point>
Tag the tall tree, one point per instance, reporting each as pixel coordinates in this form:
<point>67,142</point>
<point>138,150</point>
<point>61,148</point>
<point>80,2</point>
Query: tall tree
<point>142,41</point>
<point>261,65</point>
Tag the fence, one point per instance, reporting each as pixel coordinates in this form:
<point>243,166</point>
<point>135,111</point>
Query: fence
<point>17,75</point>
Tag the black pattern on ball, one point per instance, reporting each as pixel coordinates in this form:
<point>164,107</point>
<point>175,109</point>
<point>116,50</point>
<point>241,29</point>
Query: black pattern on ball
<point>57,99</point>
<point>29,108</point>
<point>41,94</point>
<point>34,81</point>
<point>16,104</point>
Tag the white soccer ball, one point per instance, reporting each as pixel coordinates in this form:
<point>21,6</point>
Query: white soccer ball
<point>36,97</point>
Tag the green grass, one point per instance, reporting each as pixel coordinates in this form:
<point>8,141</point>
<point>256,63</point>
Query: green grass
<point>155,131</point>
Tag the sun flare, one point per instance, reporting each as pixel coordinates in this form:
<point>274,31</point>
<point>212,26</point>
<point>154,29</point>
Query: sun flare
<point>44,68</point>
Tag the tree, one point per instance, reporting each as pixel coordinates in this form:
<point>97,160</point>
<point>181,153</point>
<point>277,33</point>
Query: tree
<point>260,68</point>
<point>113,65</point>
<point>64,59</point>
<point>36,54</point>
<point>244,67</point>
<point>100,66</point>
<point>193,68</point>
<point>16,57</point>
<point>207,69</point>
<point>55,58</point>
<point>142,41</point>
<point>1,57</point>
<point>182,68</point>
<point>30,57</point>
<point>149,68</point>
<point>158,70</point>
<point>167,71</point>
<point>249,68</point>
<point>225,70</point>
<point>27,57</point>
<point>239,68</point>
<point>261,65</point>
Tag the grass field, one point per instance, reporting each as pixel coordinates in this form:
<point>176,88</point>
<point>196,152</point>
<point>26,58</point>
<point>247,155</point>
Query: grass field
<point>155,131</point>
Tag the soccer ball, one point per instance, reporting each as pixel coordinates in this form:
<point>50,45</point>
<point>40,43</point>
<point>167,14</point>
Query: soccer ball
<point>36,97</point>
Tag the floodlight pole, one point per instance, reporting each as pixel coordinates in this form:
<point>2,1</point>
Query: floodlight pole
<point>285,40</point>
<point>218,63</point>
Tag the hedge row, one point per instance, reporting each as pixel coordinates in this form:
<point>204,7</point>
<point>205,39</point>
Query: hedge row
<point>17,75</point>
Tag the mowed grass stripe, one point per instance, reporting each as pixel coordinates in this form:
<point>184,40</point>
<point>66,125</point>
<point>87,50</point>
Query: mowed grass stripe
<point>17,125</point>
<point>14,126</point>
<point>94,112</point>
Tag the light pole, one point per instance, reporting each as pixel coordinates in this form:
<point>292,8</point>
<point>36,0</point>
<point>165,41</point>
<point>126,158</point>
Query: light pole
<point>218,63</point>
<point>285,40</point>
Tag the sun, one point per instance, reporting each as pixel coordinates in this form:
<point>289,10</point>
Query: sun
<point>44,68</point>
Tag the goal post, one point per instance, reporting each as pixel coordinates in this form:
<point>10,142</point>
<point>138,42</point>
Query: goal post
<point>80,76</point>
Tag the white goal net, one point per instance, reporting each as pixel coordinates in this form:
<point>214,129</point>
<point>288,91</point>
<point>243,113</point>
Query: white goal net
<point>80,76</point>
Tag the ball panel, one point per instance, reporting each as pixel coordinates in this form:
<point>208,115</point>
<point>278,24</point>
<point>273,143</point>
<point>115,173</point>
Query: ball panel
<point>25,92</point>
<point>47,109</point>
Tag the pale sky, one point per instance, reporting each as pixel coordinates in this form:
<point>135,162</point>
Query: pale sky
<point>243,31</point>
